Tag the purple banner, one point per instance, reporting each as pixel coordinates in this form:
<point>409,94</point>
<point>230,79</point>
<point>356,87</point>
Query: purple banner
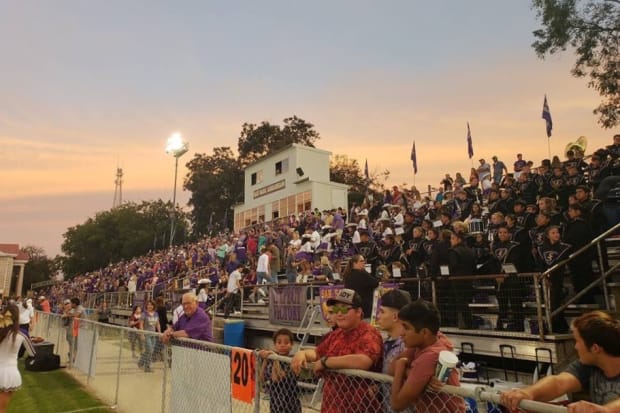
<point>287,304</point>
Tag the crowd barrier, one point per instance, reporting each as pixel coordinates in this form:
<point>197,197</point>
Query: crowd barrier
<point>132,371</point>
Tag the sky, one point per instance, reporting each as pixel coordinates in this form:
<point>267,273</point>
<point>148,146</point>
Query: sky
<point>89,86</point>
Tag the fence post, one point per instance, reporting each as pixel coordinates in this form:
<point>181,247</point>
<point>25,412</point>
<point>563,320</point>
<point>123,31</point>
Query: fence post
<point>92,353</point>
<point>547,301</point>
<point>539,313</point>
<point>257,370</point>
<point>164,355</point>
<point>60,328</point>
<point>118,368</point>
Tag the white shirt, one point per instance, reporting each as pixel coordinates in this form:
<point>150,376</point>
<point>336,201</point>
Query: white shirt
<point>131,285</point>
<point>233,281</point>
<point>484,171</point>
<point>362,224</point>
<point>399,220</point>
<point>315,239</point>
<point>263,263</point>
<point>25,314</point>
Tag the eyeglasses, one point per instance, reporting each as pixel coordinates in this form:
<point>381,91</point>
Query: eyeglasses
<point>337,309</point>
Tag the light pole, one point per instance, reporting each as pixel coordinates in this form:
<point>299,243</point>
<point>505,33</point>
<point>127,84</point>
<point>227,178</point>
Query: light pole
<point>177,147</point>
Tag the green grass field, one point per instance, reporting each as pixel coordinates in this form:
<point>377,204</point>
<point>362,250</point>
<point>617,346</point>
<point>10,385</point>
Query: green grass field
<point>53,392</point>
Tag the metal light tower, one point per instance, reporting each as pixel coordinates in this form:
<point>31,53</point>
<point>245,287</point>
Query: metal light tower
<point>177,147</point>
<point>118,189</point>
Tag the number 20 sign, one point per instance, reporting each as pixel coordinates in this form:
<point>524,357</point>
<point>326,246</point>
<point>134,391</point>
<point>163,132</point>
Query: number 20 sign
<point>243,374</point>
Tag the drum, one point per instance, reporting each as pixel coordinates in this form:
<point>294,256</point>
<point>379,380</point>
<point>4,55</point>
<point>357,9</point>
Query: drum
<point>476,226</point>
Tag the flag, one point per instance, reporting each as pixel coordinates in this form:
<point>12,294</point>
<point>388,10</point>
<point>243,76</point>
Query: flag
<point>414,159</point>
<point>470,145</point>
<point>366,170</point>
<point>546,115</point>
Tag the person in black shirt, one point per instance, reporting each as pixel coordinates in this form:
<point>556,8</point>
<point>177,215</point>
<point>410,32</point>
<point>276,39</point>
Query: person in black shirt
<point>512,289</point>
<point>447,183</point>
<point>367,248</point>
<point>593,212</point>
<point>551,252</point>
<point>538,234</point>
<point>358,279</point>
<point>390,251</point>
<point>408,226</point>
<point>524,218</point>
<point>461,261</point>
<point>506,204</point>
<point>578,234</point>
<point>519,235</point>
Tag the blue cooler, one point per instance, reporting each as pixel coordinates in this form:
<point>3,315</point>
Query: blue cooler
<point>233,333</point>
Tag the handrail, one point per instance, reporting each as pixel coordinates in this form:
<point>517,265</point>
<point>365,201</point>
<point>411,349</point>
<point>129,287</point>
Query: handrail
<point>581,250</point>
<point>585,290</point>
<point>545,275</point>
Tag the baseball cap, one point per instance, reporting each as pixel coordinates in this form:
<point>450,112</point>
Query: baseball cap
<point>346,296</point>
<point>396,299</point>
<point>67,301</point>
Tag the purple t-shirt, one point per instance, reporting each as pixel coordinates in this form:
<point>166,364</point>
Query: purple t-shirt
<point>198,326</point>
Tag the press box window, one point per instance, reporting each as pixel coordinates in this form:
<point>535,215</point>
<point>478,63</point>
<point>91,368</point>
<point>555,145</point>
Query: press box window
<point>282,166</point>
<point>257,177</point>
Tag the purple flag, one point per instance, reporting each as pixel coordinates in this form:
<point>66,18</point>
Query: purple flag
<point>546,115</point>
<point>414,159</point>
<point>470,145</point>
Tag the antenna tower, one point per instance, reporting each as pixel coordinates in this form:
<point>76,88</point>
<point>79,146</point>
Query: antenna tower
<point>118,189</point>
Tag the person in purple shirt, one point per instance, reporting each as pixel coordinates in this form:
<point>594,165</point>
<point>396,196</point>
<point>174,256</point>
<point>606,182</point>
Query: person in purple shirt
<point>194,323</point>
<point>338,221</point>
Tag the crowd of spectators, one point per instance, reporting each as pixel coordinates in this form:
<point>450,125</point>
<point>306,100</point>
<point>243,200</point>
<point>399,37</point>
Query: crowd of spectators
<point>530,216</point>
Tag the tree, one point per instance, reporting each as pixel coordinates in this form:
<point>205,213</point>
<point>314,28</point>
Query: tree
<point>216,184</point>
<point>592,29</point>
<point>344,170</point>
<point>258,141</point>
<point>348,171</point>
<point>123,232</point>
<point>38,268</point>
<point>216,181</point>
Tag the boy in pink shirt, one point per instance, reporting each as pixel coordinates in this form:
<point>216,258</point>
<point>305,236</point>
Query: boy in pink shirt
<point>423,343</point>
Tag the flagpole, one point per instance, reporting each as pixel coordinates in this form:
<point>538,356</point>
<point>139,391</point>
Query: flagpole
<point>549,147</point>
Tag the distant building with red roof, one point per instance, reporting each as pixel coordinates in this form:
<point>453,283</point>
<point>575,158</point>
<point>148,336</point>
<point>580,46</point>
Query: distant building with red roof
<point>12,261</point>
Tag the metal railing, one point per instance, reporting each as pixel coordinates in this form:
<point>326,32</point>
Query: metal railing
<point>544,277</point>
<point>175,376</point>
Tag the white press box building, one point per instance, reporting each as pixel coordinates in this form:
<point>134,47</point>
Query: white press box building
<point>291,180</point>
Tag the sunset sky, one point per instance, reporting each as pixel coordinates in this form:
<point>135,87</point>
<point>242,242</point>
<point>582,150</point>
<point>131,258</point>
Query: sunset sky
<point>89,86</point>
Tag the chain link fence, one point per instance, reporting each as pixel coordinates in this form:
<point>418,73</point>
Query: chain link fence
<point>189,375</point>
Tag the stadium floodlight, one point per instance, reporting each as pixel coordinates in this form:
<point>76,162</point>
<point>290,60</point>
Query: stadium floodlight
<point>176,146</point>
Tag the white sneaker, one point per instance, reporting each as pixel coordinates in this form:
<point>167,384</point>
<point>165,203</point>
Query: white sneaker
<point>261,301</point>
<point>262,292</point>
<point>236,312</point>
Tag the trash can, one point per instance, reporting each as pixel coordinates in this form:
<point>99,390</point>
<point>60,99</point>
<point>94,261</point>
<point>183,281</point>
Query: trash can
<point>233,333</point>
